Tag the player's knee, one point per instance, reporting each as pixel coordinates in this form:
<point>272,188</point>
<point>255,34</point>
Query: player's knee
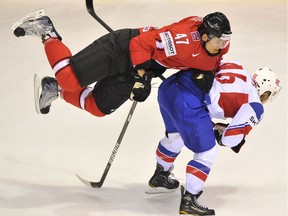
<point>207,157</point>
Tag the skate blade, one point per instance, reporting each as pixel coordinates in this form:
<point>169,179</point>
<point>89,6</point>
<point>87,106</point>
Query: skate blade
<point>37,85</point>
<point>186,214</point>
<point>159,190</point>
<point>34,15</point>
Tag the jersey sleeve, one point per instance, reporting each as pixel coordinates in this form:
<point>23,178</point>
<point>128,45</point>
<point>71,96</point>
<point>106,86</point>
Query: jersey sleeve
<point>142,47</point>
<point>249,115</point>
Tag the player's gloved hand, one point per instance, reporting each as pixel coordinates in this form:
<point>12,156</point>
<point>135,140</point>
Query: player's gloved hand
<point>142,87</point>
<point>218,131</point>
<point>219,128</point>
<point>218,136</point>
<point>203,79</point>
<point>151,65</point>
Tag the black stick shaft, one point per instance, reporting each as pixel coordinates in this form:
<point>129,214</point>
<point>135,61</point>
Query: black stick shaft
<point>91,11</point>
<point>114,152</point>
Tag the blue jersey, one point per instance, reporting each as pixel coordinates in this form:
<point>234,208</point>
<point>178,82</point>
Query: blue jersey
<point>184,111</point>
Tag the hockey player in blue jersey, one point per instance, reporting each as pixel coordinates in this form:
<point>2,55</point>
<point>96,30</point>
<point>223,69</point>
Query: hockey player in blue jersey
<point>187,113</point>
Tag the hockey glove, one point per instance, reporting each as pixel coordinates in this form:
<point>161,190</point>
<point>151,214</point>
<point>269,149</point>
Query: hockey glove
<point>142,87</point>
<point>218,131</point>
<point>218,137</point>
<point>145,66</point>
<point>203,79</point>
<point>151,65</point>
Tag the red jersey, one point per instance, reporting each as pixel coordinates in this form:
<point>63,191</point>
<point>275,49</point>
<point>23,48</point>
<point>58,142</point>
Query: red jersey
<point>176,46</point>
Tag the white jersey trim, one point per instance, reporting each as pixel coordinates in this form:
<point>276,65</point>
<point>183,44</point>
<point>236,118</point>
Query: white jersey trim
<point>61,65</point>
<point>83,96</point>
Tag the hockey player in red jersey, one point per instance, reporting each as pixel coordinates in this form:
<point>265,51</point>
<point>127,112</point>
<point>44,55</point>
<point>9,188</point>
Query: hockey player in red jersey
<point>187,114</point>
<point>179,45</point>
<point>122,63</point>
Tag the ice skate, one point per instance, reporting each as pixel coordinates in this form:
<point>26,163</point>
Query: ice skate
<point>161,182</point>
<point>190,206</point>
<point>49,93</point>
<point>35,24</point>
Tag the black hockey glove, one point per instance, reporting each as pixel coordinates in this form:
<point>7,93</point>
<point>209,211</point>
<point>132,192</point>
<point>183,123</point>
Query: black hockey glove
<point>142,87</point>
<point>218,131</point>
<point>145,66</point>
<point>151,65</point>
<point>203,79</point>
<point>218,137</point>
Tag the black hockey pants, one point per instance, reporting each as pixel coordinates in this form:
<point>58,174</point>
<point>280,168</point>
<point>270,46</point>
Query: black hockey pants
<point>107,62</point>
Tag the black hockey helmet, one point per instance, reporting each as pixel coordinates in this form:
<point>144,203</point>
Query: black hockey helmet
<point>215,25</point>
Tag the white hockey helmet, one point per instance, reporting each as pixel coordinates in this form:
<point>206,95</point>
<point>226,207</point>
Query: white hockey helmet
<point>267,82</point>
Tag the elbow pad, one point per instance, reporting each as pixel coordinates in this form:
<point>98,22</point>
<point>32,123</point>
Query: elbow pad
<point>258,109</point>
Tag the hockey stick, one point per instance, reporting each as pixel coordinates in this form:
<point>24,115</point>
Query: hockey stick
<point>91,11</point>
<point>100,183</point>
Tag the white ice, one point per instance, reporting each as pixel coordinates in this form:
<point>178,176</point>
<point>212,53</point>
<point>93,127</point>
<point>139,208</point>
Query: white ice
<point>39,155</point>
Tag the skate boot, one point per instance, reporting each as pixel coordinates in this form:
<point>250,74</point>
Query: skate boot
<point>36,24</point>
<point>161,181</point>
<point>49,93</point>
<point>190,206</point>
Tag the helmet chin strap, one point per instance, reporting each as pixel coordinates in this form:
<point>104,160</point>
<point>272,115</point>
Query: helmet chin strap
<point>210,54</point>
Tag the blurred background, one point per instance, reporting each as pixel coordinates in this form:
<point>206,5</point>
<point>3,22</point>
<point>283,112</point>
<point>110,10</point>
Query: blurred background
<point>40,154</point>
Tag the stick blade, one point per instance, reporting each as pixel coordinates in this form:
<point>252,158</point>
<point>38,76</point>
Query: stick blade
<point>89,183</point>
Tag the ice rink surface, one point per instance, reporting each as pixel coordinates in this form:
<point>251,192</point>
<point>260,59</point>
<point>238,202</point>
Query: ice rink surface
<point>40,155</point>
